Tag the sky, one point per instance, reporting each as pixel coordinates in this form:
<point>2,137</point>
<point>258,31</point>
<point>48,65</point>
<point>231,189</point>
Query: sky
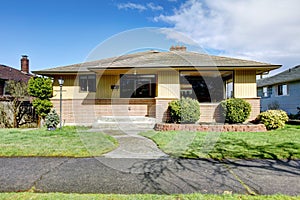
<point>62,32</point>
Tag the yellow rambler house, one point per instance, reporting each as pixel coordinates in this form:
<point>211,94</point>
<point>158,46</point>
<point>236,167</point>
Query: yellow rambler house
<point>143,83</point>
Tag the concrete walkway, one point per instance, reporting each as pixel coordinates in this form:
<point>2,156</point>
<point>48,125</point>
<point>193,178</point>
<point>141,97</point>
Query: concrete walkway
<point>159,176</point>
<point>131,145</point>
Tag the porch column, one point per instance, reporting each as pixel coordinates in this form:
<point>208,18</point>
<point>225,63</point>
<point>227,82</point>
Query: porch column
<point>245,88</point>
<point>168,89</point>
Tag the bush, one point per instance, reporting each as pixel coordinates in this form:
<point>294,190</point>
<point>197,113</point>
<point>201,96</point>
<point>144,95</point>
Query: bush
<point>273,119</point>
<point>185,110</point>
<point>42,107</point>
<point>235,110</point>
<point>52,119</point>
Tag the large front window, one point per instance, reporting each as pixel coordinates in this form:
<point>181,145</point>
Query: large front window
<point>137,86</point>
<point>206,86</point>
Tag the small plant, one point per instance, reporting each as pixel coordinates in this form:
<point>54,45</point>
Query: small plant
<point>273,119</point>
<point>185,110</point>
<point>235,110</point>
<point>52,120</point>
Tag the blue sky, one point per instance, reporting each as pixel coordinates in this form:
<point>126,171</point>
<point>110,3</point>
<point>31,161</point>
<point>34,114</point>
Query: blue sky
<point>61,32</point>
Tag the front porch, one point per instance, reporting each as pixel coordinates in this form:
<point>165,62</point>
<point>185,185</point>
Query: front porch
<point>86,112</point>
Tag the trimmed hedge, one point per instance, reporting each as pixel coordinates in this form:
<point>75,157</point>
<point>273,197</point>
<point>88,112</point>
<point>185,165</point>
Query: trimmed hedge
<point>273,119</point>
<point>185,110</point>
<point>235,110</point>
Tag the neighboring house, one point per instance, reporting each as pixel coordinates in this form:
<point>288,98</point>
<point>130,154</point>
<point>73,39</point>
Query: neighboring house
<point>142,84</point>
<point>9,73</point>
<point>282,89</point>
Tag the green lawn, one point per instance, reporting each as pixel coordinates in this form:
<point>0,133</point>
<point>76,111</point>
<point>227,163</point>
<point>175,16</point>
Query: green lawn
<point>278,144</point>
<point>69,142</point>
<point>27,195</point>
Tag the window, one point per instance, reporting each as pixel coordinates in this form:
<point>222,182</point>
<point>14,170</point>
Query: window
<point>206,86</point>
<point>137,86</point>
<point>87,83</point>
<point>265,92</point>
<point>282,90</point>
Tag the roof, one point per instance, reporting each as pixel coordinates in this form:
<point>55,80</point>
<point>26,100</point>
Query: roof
<point>289,75</point>
<point>9,73</point>
<point>156,59</point>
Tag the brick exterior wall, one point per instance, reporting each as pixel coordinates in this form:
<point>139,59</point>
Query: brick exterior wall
<point>255,107</point>
<point>86,112</point>
<point>162,104</point>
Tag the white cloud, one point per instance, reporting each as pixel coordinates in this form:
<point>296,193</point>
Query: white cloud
<point>154,7</point>
<point>132,6</point>
<point>266,30</point>
<point>139,7</point>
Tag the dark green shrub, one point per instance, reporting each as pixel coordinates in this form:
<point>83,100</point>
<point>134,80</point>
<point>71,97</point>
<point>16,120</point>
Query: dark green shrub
<point>185,110</point>
<point>51,120</point>
<point>235,110</point>
<point>273,119</point>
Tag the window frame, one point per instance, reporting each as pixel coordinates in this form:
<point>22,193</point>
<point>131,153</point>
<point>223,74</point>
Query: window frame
<point>136,88</point>
<point>265,91</point>
<point>89,86</point>
<point>282,89</point>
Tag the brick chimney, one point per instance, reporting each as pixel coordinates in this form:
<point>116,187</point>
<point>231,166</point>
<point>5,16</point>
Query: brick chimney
<point>25,64</point>
<point>178,48</point>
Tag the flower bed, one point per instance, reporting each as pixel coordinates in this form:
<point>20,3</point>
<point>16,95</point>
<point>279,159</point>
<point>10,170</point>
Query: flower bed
<point>211,127</point>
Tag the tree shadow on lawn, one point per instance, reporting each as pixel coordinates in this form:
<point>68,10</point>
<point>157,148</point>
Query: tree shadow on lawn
<point>241,149</point>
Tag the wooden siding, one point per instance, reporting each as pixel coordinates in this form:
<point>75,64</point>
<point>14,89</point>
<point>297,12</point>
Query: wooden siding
<point>168,84</point>
<point>245,84</point>
<point>288,103</point>
<point>104,86</point>
<point>70,88</point>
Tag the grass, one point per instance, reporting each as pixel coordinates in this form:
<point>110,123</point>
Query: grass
<point>27,195</point>
<point>279,144</point>
<point>68,142</point>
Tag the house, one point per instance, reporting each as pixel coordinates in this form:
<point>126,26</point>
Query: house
<point>143,83</point>
<point>9,73</point>
<point>281,90</point>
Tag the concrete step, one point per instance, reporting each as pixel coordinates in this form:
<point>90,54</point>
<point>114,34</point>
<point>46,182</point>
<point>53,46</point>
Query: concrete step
<point>124,123</point>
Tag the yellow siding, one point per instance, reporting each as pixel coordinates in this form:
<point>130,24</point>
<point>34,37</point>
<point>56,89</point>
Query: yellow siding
<point>70,88</point>
<point>104,86</point>
<point>168,84</point>
<point>245,84</point>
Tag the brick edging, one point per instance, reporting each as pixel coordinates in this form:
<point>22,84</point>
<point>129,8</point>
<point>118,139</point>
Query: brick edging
<point>211,128</point>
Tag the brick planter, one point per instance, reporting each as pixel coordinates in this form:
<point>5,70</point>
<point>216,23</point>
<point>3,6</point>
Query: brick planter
<point>211,127</point>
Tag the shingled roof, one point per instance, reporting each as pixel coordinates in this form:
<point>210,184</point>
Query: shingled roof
<point>289,75</point>
<point>157,59</point>
<point>9,73</point>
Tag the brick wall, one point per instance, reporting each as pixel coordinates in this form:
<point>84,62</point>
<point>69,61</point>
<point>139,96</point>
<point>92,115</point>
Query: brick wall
<point>87,112</point>
<point>255,107</point>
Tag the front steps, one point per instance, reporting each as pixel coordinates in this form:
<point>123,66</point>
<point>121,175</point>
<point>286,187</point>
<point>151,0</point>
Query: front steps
<point>125,123</point>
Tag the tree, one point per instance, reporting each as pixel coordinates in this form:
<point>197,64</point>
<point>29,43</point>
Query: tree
<point>41,89</point>
<point>18,94</point>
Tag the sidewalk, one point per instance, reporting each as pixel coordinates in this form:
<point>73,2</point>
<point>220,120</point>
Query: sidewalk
<point>160,176</point>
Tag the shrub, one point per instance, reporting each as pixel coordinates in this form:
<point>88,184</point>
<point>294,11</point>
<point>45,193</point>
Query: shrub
<point>273,119</point>
<point>52,119</point>
<point>235,110</point>
<point>42,107</point>
<point>185,110</point>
